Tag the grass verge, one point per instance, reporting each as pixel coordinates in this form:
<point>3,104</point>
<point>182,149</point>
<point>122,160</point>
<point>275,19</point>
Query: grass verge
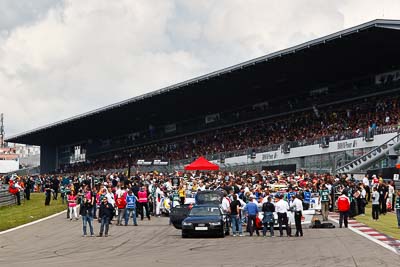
<point>387,224</point>
<point>29,211</point>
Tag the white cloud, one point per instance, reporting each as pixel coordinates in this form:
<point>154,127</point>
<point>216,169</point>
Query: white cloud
<point>80,55</point>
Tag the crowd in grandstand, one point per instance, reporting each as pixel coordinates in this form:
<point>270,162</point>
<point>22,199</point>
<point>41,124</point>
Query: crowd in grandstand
<point>115,196</point>
<point>337,122</point>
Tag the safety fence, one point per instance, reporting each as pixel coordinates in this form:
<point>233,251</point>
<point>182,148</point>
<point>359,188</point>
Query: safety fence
<point>7,199</point>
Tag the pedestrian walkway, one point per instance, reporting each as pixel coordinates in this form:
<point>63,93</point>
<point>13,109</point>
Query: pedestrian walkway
<point>386,241</point>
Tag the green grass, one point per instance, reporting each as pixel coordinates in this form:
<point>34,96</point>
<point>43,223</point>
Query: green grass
<point>387,224</point>
<point>28,211</point>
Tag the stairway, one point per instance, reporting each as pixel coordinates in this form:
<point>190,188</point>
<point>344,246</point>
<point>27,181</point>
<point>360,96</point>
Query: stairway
<point>371,157</point>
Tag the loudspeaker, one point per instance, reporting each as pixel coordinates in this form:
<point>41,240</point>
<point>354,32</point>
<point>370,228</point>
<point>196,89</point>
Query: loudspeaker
<point>285,148</point>
<point>324,142</point>
<point>222,159</point>
<point>253,154</point>
<point>369,135</point>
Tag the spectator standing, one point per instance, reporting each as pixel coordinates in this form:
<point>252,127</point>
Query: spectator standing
<point>106,211</point>
<point>234,209</point>
<point>391,195</point>
<point>143,203</point>
<point>121,205</point>
<point>281,208</point>
<point>306,198</point>
<point>251,210</point>
<point>55,187</point>
<point>131,201</point>
<point>94,197</point>
<point>268,220</point>
<point>343,204</point>
<point>47,189</point>
<point>19,188</point>
<point>397,206</point>
<point>86,211</point>
<point>225,205</point>
<point>362,200</point>
<point>324,199</point>
<point>29,187</point>
<point>181,192</point>
<point>375,204</point>
<point>367,188</point>
<point>157,199</point>
<point>72,205</point>
<point>297,205</point>
<point>383,194</point>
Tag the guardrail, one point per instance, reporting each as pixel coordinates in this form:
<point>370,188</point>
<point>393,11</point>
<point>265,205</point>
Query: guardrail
<point>7,199</point>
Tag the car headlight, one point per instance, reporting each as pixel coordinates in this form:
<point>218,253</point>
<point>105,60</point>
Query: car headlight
<point>187,223</point>
<point>215,223</point>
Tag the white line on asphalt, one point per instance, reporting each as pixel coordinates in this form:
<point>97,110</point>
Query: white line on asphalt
<point>370,238</point>
<point>31,223</point>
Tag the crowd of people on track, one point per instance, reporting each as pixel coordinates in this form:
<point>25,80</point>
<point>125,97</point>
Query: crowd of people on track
<point>116,197</point>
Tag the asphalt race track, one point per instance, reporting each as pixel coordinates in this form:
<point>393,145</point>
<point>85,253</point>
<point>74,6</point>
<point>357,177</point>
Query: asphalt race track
<point>58,242</point>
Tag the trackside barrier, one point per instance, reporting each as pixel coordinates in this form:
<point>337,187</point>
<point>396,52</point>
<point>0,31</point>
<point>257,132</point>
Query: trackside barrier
<point>7,199</point>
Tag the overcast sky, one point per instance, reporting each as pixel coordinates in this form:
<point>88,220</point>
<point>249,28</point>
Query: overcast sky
<point>60,58</point>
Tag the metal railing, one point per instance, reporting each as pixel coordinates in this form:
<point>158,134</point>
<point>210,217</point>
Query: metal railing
<point>370,157</point>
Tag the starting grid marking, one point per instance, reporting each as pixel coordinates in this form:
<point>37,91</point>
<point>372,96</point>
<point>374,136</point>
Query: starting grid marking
<point>370,233</point>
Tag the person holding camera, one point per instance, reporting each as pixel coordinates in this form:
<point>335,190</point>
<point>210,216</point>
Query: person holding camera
<point>86,211</point>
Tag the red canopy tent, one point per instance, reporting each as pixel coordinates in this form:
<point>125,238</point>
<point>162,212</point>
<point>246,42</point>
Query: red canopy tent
<point>201,164</point>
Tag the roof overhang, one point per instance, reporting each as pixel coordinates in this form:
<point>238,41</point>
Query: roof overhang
<point>37,136</point>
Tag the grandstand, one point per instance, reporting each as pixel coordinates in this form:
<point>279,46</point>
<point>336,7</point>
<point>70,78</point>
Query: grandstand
<point>318,105</point>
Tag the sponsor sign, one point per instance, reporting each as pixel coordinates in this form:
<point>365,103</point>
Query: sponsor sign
<point>212,118</point>
<point>160,163</point>
<point>269,156</point>
<point>142,162</point>
<point>170,128</point>
<point>347,145</point>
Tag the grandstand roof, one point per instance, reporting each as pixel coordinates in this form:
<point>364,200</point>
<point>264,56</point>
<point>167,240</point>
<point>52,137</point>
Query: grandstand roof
<point>366,49</point>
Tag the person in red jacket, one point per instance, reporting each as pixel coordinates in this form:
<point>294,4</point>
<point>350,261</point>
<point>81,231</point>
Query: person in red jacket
<point>121,205</point>
<point>343,204</point>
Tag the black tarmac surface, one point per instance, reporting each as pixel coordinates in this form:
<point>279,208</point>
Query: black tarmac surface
<point>58,242</point>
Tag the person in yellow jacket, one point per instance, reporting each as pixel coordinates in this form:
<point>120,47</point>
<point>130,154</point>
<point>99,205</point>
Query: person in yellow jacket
<point>181,193</point>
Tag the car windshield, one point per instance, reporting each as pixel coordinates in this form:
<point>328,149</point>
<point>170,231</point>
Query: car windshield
<point>204,211</point>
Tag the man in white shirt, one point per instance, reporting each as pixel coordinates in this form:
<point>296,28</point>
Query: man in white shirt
<point>297,205</point>
<point>282,207</point>
<point>225,205</point>
<point>202,186</point>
